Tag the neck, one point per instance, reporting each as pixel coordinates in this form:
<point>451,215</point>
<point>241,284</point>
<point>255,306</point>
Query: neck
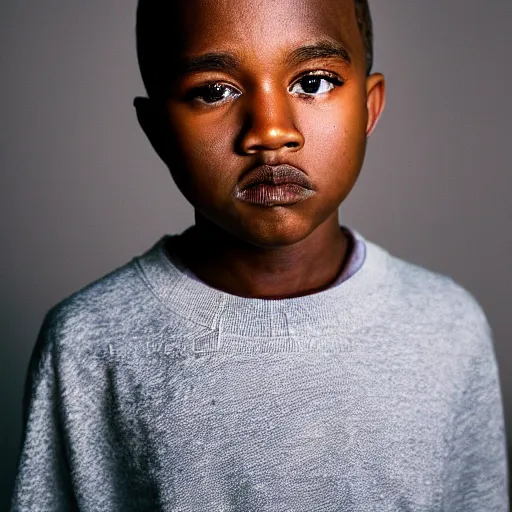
<point>242,269</point>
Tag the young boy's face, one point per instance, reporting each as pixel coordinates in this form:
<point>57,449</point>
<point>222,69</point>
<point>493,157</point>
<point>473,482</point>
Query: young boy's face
<point>266,104</point>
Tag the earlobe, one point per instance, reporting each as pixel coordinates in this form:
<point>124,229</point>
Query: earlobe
<point>375,100</point>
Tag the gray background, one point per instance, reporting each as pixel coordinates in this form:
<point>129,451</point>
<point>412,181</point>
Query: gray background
<point>82,192</point>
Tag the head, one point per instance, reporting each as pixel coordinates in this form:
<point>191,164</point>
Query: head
<point>234,84</point>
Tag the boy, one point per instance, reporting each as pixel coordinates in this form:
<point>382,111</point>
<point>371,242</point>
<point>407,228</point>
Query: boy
<point>266,359</point>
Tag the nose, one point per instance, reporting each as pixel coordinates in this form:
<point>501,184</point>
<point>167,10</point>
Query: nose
<point>269,122</point>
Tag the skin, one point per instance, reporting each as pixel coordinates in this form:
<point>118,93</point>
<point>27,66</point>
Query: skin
<point>267,113</point>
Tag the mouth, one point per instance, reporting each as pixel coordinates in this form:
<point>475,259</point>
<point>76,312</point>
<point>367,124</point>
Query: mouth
<point>274,185</point>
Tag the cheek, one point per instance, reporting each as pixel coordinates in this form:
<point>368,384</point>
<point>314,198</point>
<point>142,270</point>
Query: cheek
<point>202,151</point>
<point>196,137</point>
<point>335,138</point>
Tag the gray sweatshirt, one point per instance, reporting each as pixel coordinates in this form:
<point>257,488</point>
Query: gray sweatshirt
<point>148,390</point>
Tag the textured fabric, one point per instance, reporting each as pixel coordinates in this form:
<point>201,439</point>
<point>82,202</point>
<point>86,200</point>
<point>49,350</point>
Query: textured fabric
<point>150,391</point>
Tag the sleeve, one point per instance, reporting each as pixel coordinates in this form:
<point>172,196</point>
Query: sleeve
<point>476,470</point>
<point>43,480</point>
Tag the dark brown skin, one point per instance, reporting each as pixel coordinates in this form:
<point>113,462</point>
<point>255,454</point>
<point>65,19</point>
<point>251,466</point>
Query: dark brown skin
<point>265,117</point>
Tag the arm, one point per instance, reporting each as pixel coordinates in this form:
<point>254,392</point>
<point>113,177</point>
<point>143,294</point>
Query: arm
<point>476,477</point>
<point>43,480</point>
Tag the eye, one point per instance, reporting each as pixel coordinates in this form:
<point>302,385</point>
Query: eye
<point>311,84</point>
<point>213,93</point>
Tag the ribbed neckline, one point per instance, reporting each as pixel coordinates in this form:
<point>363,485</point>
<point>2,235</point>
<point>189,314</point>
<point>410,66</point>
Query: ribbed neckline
<point>317,314</point>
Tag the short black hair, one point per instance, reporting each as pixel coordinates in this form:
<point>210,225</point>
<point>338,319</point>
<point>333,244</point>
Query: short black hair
<point>364,22</point>
<point>150,29</point>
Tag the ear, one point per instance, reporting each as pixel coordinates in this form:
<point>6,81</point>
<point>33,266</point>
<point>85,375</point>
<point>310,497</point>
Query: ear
<point>375,100</point>
<point>152,120</point>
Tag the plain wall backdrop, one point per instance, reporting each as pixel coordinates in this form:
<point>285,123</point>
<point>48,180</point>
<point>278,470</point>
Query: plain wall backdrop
<point>82,192</point>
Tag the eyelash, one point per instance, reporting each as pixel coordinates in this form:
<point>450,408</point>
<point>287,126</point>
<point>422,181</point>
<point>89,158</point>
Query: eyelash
<point>329,77</point>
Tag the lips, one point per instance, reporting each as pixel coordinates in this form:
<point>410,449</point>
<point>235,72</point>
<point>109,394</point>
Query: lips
<point>274,185</point>
<point>276,175</point>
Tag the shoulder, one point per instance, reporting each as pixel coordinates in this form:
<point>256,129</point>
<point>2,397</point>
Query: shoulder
<point>97,313</point>
<point>434,289</point>
<point>434,303</point>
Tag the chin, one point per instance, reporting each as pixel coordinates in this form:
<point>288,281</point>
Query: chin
<point>281,230</point>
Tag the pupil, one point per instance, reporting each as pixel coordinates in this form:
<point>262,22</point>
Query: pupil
<point>214,92</point>
<point>311,81</point>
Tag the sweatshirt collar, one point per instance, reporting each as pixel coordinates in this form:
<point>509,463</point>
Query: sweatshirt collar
<point>318,314</point>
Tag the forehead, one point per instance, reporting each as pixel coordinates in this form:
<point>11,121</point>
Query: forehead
<point>261,28</point>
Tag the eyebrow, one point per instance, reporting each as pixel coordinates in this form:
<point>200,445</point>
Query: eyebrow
<point>212,61</point>
<point>225,61</point>
<point>324,49</point>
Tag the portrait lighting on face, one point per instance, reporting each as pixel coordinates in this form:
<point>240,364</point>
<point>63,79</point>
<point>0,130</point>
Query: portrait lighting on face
<point>264,134</point>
